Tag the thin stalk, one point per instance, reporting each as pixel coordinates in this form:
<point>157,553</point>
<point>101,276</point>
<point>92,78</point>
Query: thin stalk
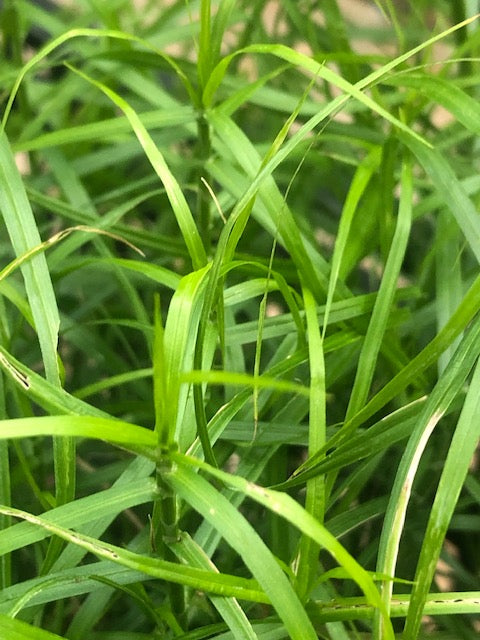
<point>307,567</point>
<point>203,196</point>
<point>204,64</point>
<point>165,530</point>
<point>164,525</point>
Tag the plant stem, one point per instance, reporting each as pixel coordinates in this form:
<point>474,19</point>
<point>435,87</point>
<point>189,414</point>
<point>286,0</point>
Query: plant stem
<point>165,529</point>
<point>203,196</point>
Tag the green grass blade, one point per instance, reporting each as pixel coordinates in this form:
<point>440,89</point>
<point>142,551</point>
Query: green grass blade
<point>222,584</point>
<point>160,384</point>
<point>116,431</point>
<point>113,381</point>
<point>284,506</point>
<point>448,271</point>
<point>251,162</point>
<point>242,537</point>
<point>219,24</point>
<point>315,499</point>
<point>164,521</point>
<point>360,182</point>
<point>84,33</point>
<point>292,124</point>
<point>383,303</point>
<point>106,129</point>
<point>22,228</point>
<point>24,235</point>
<point>181,328</point>
<point>463,315</point>
<point>244,379</point>
<point>451,191</point>
<point>6,498</point>
<point>311,65</point>
<point>191,553</point>
<point>177,200</point>
<point>226,246</point>
<point>276,144</point>
<point>53,399</point>
<point>17,630</point>
<point>155,272</point>
<point>455,469</point>
<point>81,513</point>
<point>441,397</point>
<point>341,310</point>
<point>204,59</point>
<point>389,430</point>
<point>465,108</point>
<point>65,584</point>
<point>437,604</point>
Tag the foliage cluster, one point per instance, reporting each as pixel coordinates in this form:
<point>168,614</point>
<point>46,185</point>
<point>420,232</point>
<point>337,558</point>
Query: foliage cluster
<point>239,327</point>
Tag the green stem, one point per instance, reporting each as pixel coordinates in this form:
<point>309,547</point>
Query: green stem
<point>164,525</point>
<point>165,529</point>
<point>203,196</point>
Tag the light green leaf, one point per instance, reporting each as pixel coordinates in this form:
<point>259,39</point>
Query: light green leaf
<point>222,584</point>
<point>178,201</point>
<point>446,389</point>
<point>451,191</point>
<point>279,503</point>
<point>241,536</point>
<point>17,630</point>
<point>108,503</point>
<point>455,469</point>
<point>23,232</point>
<point>116,431</point>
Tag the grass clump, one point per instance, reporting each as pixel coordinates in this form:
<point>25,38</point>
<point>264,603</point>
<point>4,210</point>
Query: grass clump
<point>239,328</point>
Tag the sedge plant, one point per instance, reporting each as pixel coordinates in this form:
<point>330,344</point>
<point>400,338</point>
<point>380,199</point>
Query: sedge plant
<point>239,328</point>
